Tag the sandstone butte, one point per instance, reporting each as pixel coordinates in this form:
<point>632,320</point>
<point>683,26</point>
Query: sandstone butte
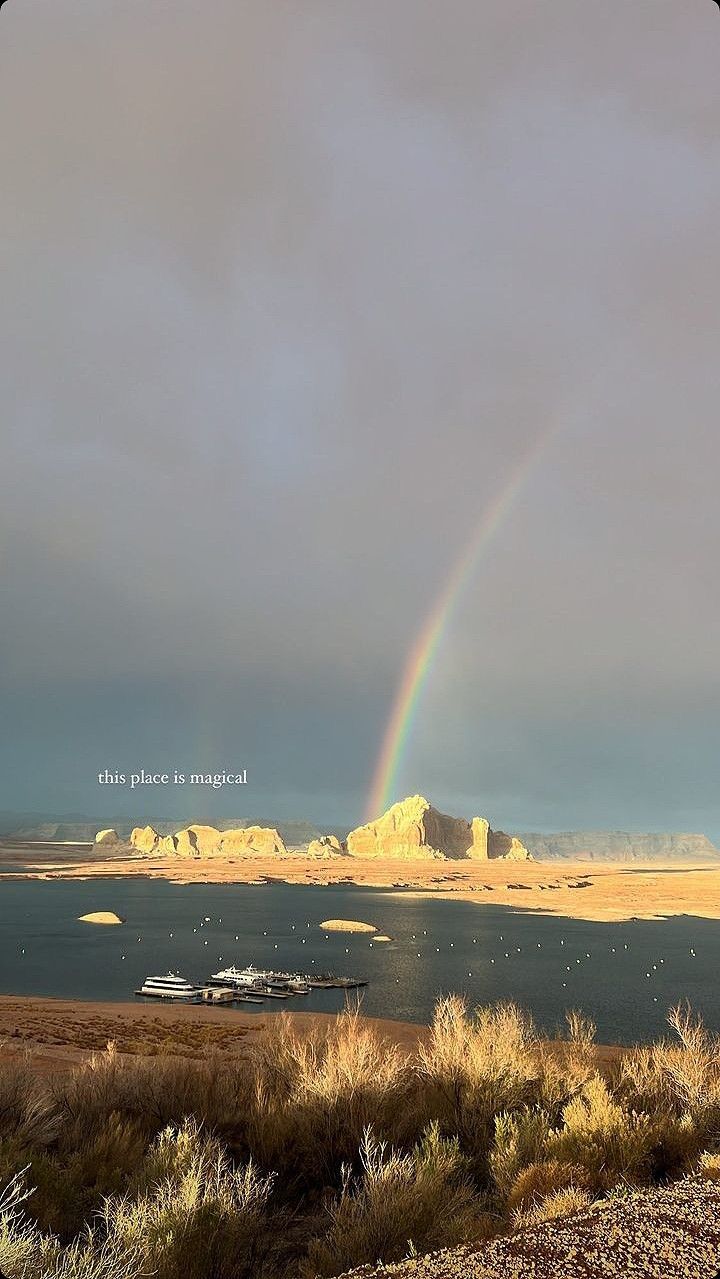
<point>205,841</point>
<point>325,846</point>
<point>412,828</point>
<point>107,837</point>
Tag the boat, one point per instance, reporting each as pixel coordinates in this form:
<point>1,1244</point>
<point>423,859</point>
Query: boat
<point>172,986</point>
<point>259,981</point>
<point>239,977</point>
<point>275,985</point>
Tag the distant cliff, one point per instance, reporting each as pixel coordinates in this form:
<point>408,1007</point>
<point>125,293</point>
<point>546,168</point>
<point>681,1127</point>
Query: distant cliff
<point>619,846</point>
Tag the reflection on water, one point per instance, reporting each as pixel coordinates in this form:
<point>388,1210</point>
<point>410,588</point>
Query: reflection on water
<point>625,976</point>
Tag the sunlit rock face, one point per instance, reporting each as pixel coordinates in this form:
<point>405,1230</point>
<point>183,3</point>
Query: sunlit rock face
<point>412,828</point>
<point>263,840</point>
<point>144,838</point>
<point>206,841</point>
<point>325,846</point>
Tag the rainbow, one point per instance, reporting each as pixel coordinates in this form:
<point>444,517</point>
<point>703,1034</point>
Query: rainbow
<point>420,661</point>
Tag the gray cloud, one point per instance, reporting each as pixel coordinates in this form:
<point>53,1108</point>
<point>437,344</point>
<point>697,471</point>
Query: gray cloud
<point>287,292</point>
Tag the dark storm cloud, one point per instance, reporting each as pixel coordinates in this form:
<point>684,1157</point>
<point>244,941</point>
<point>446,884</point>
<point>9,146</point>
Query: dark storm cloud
<point>287,291</point>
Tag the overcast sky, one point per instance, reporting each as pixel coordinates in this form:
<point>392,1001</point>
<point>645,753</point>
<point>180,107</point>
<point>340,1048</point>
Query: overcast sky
<point>287,290</point>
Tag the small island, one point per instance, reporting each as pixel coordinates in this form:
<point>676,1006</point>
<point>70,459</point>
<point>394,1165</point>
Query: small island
<point>347,926</point>
<point>107,917</point>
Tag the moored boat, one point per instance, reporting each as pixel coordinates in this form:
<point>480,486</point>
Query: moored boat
<point>172,986</point>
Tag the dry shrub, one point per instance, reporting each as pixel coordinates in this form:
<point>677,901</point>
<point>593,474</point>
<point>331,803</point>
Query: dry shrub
<point>520,1140</point>
<point>561,1203</point>
<point>570,1062</point>
<point>27,1112</point>
<point>609,1142</point>
<point>476,1067</point>
<point>25,1251</point>
<point>69,1190</point>
<point>679,1076</point>
<point>193,1212</point>
<point>709,1165</point>
<point>400,1204</point>
<point>20,1240</point>
<point>164,1165</point>
<point>537,1181</point>
<point>154,1092</point>
<point>316,1094</point>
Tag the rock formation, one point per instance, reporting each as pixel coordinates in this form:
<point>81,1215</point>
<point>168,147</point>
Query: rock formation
<point>206,841</point>
<point>480,830</point>
<point>104,917</point>
<point>144,838</point>
<point>325,846</point>
<point>413,828</point>
<point>507,847</point>
<point>107,837</point>
<point>347,926</point>
<point>186,843</point>
<point>263,840</point>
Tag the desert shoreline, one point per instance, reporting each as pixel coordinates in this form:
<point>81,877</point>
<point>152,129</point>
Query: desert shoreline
<point>592,891</point>
<point>55,1035</point>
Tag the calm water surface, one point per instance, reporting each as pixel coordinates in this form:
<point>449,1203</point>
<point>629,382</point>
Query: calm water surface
<point>625,976</point>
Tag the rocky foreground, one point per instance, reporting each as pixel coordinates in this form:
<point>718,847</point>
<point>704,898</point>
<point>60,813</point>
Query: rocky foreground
<point>672,1233</point>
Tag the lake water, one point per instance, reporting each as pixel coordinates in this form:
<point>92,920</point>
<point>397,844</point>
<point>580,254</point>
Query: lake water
<point>625,976</point>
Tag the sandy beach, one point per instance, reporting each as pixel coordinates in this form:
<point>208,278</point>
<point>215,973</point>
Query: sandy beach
<point>58,1034</point>
<point>583,890</point>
